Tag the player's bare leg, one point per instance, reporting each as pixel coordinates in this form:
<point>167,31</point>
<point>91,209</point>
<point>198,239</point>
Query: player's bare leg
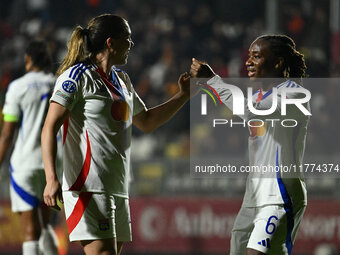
<point>100,247</point>
<point>30,221</point>
<point>32,231</point>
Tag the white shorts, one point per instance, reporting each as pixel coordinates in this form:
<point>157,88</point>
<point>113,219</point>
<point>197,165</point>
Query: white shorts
<point>269,229</point>
<point>92,216</point>
<point>26,189</point>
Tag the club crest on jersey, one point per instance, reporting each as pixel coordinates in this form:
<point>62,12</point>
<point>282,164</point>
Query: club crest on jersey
<point>104,224</point>
<point>69,86</point>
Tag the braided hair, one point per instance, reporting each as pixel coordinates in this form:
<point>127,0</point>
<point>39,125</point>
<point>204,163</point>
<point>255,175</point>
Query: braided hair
<point>284,46</point>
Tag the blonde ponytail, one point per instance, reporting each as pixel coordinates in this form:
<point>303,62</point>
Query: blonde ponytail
<point>91,40</point>
<point>77,50</point>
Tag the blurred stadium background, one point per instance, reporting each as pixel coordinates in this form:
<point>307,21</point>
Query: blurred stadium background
<point>171,212</point>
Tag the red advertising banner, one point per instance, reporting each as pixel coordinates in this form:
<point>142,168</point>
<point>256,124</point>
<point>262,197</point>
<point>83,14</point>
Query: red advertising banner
<point>194,225</point>
<point>188,225</point>
<point>182,225</point>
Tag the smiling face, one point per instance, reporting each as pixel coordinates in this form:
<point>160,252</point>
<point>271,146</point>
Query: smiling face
<point>261,62</point>
<point>122,46</point>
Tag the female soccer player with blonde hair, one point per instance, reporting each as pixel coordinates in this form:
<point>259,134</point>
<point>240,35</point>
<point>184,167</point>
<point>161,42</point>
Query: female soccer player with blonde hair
<point>97,105</point>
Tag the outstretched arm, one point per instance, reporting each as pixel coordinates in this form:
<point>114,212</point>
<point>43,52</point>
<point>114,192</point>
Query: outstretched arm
<point>229,94</point>
<point>56,116</point>
<point>149,120</point>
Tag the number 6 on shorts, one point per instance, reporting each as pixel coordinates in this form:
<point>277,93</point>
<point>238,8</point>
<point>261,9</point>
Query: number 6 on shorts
<point>271,227</point>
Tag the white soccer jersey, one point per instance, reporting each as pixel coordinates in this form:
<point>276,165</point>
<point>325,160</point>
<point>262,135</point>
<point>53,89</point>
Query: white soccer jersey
<point>27,99</point>
<point>97,134</point>
<point>272,145</point>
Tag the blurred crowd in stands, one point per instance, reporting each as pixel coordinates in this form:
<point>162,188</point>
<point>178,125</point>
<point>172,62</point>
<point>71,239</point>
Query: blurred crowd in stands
<point>167,34</point>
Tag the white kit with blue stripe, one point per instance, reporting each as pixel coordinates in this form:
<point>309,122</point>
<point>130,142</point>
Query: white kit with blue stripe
<point>27,101</point>
<point>270,145</point>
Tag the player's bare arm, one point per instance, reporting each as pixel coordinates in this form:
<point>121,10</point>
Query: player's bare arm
<point>6,138</point>
<point>56,116</point>
<point>149,120</point>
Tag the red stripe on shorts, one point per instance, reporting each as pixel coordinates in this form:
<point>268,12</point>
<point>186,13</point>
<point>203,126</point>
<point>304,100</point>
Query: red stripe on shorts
<point>79,183</point>
<point>67,121</point>
<point>78,210</point>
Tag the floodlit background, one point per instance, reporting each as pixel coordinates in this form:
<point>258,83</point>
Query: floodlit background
<point>173,213</point>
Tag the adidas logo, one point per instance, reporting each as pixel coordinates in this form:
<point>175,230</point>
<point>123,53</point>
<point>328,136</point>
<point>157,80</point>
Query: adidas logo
<point>265,243</point>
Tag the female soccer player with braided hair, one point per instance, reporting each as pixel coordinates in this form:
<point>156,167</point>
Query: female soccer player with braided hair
<point>97,105</point>
<point>284,47</point>
<point>274,202</point>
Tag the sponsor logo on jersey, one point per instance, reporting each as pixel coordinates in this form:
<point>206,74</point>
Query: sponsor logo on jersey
<point>64,96</point>
<point>69,86</point>
<point>120,110</point>
<point>265,243</point>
